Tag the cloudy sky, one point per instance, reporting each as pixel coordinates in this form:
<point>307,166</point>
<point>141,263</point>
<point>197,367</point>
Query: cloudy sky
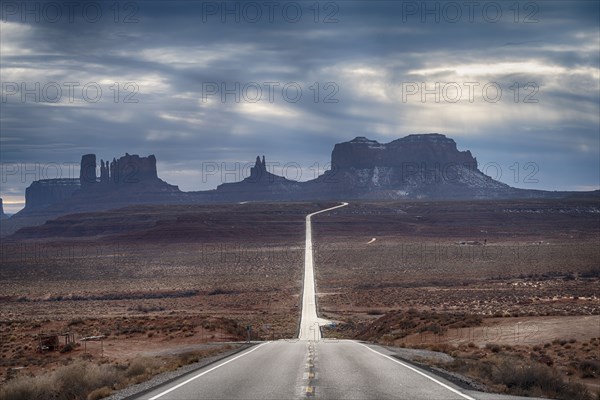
<point>206,86</point>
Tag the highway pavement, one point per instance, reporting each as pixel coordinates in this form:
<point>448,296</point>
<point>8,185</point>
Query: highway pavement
<point>313,367</point>
<point>325,369</point>
<point>309,321</point>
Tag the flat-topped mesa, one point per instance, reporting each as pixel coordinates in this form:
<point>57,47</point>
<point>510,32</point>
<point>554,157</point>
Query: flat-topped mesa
<point>46,192</point>
<point>429,149</point>
<point>114,176</point>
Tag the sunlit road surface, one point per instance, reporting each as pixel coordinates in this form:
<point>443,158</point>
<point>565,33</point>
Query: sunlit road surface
<point>326,369</point>
<point>310,322</point>
<point>313,367</point>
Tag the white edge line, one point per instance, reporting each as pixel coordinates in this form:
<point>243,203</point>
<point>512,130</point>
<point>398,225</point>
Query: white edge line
<point>205,372</point>
<point>419,372</point>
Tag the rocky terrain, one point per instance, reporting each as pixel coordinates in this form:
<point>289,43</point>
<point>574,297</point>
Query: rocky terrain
<point>475,279</point>
<point>45,192</point>
<point>413,167</point>
<point>151,280</point>
<point>426,167</point>
<point>491,283</point>
<point>260,185</point>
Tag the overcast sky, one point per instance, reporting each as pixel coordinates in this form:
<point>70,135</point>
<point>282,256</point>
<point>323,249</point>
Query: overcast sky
<point>182,80</point>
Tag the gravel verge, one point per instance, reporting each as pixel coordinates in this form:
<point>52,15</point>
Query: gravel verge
<point>419,357</point>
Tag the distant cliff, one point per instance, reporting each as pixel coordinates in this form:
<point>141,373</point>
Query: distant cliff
<point>45,192</point>
<point>129,179</point>
<point>260,185</point>
<point>127,170</point>
<point>2,215</point>
<point>429,149</point>
<point>424,166</point>
<point>416,166</point>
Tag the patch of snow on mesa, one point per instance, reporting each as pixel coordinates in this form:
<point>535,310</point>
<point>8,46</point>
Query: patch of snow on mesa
<point>363,175</point>
<point>375,178</point>
<point>475,178</point>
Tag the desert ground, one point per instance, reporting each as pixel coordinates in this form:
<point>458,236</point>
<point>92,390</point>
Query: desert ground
<point>477,280</point>
<point>482,281</point>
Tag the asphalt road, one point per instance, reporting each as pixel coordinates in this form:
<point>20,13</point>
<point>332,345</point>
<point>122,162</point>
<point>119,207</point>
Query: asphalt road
<point>309,321</point>
<point>312,367</point>
<point>296,369</point>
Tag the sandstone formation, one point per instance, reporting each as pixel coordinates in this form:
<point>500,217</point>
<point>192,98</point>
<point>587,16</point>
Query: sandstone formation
<point>427,166</point>
<point>259,185</point>
<point>128,169</point>
<point>429,150</point>
<point>132,175</point>
<point>87,171</point>
<point>45,192</point>
<point>416,166</point>
<point>2,215</point>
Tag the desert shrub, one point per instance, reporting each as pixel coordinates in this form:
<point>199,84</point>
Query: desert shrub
<point>407,324</point>
<point>440,347</point>
<point>73,381</point>
<point>99,393</point>
<point>525,377</point>
<point>529,378</point>
<point>493,347</point>
<point>75,321</point>
<point>434,327</point>
<point>458,364</point>
<point>137,367</point>
<point>27,388</point>
<point>471,320</point>
<point>589,368</point>
<point>574,391</point>
<point>141,365</point>
<point>78,379</point>
<point>520,377</point>
<point>68,347</point>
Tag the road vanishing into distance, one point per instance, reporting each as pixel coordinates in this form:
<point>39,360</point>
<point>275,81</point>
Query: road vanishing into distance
<point>314,367</point>
<point>310,322</point>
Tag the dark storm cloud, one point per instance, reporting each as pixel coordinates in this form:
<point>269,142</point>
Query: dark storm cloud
<point>171,51</point>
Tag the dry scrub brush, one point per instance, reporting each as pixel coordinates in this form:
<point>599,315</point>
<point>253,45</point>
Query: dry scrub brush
<point>70,382</point>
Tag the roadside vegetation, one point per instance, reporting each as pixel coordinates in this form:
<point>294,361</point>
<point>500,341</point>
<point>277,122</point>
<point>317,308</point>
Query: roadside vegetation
<point>89,379</point>
<point>512,374</point>
<point>560,369</point>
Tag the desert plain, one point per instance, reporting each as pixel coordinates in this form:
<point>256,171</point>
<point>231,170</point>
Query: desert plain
<point>480,281</point>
